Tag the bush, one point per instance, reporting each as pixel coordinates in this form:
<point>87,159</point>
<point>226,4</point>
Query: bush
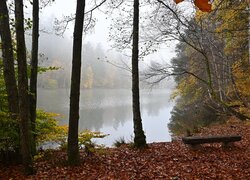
<point>85,140</point>
<point>48,130</point>
<point>8,132</point>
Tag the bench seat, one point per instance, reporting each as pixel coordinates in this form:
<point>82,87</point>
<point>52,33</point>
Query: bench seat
<point>196,140</point>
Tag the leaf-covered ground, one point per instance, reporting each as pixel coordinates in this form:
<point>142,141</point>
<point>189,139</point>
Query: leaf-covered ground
<point>159,161</point>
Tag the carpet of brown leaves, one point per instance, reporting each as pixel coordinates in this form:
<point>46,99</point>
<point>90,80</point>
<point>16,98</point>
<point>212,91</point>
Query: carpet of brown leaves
<point>171,160</point>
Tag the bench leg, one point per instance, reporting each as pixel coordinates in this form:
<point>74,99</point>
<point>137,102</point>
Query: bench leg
<point>227,144</point>
<point>194,146</point>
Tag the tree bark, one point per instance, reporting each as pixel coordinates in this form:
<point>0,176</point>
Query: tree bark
<point>140,138</point>
<point>33,77</point>
<point>8,60</point>
<point>25,133</point>
<point>73,149</point>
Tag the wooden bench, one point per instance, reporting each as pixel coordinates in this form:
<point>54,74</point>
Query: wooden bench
<point>195,141</point>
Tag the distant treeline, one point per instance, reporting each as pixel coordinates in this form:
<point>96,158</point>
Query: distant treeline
<point>97,71</point>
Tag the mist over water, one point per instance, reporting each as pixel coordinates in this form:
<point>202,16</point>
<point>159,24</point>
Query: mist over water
<point>110,111</point>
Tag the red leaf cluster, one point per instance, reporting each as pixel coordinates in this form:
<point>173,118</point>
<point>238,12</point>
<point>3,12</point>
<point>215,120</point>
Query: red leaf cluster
<point>171,160</point>
<point>178,1</point>
<point>203,5</point>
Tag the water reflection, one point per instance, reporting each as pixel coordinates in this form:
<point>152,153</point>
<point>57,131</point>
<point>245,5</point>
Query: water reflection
<point>110,111</point>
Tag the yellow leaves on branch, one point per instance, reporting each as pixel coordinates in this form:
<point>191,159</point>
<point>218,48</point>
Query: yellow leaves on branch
<point>241,72</point>
<point>186,88</point>
<point>203,5</point>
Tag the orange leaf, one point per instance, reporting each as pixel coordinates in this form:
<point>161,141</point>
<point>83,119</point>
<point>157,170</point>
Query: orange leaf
<point>178,1</point>
<point>203,5</point>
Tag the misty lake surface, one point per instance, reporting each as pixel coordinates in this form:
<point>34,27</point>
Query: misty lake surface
<point>110,111</point>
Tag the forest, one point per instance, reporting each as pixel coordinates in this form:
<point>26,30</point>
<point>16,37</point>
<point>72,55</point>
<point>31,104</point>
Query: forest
<point>209,76</point>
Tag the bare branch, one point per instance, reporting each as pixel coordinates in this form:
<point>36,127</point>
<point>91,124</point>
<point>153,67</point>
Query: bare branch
<point>175,13</point>
<point>61,25</point>
<point>158,72</point>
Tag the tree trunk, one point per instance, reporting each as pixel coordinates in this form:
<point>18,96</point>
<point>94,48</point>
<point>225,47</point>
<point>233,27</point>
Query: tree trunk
<point>8,60</point>
<point>140,138</point>
<point>73,149</point>
<point>25,133</point>
<point>33,77</point>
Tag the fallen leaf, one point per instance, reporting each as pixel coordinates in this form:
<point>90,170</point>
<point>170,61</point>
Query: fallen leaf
<point>203,5</point>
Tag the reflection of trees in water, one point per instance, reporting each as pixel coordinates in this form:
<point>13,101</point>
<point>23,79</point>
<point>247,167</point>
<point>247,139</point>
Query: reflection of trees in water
<point>102,107</point>
<point>153,107</point>
<point>155,102</point>
<point>91,119</point>
<point>95,119</point>
<point>116,116</point>
<point>56,101</point>
<point>190,117</point>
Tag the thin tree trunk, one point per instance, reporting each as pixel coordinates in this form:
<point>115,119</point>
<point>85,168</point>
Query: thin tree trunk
<point>216,76</point>
<point>140,138</point>
<point>23,89</point>
<point>8,60</point>
<point>73,149</point>
<point>33,77</point>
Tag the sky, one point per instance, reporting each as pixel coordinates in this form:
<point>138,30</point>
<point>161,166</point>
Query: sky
<point>62,8</point>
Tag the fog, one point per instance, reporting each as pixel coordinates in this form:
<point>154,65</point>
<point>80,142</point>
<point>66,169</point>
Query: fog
<point>102,65</point>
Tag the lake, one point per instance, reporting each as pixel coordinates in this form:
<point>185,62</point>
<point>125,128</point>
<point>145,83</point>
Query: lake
<point>110,112</point>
